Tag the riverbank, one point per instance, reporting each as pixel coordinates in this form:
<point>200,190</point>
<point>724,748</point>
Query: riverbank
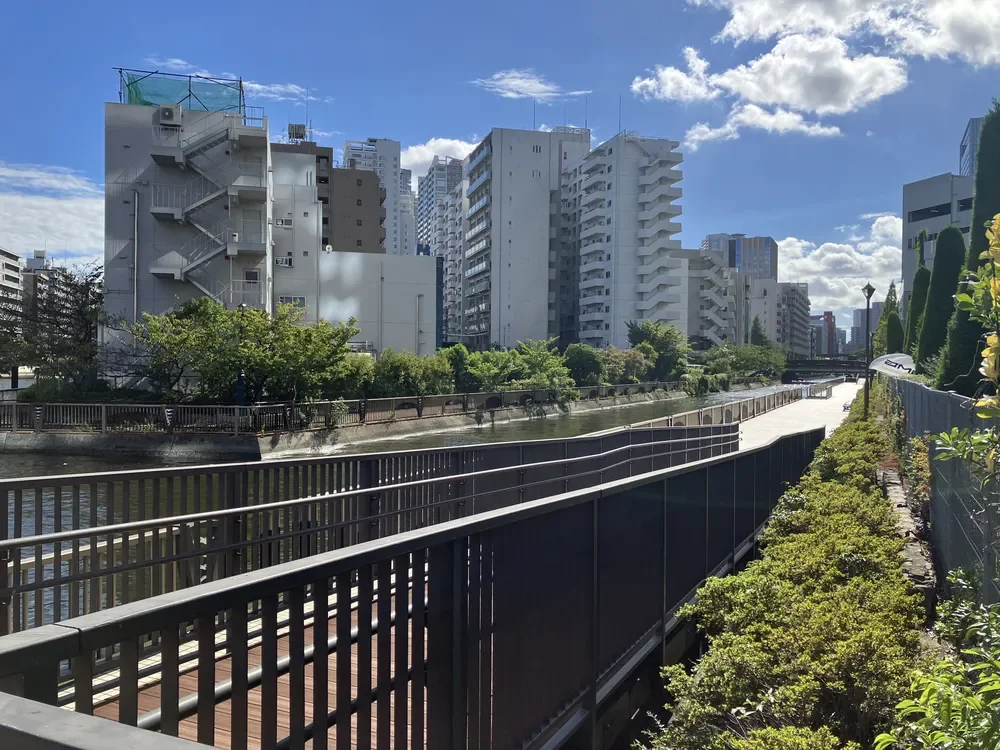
<point>136,447</point>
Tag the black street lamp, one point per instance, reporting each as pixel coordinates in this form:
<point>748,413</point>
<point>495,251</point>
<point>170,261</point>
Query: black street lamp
<point>868,290</point>
<point>241,389</point>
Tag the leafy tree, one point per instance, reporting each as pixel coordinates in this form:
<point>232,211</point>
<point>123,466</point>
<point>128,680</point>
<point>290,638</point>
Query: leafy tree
<point>668,342</point>
<point>745,361</point>
<point>948,258</point>
<point>891,305</point>
<point>542,366</point>
<point>585,364</point>
<point>757,335</point>
<point>403,373</point>
<point>893,334</point>
<point>458,356</point>
<point>623,366</point>
<point>495,368</point>
<point>918,297</point>
<point>957,368</point>
<point>353,377</point>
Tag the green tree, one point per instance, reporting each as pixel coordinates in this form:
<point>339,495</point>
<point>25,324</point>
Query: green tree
<point>353,377</point>
<point>542,366</point>
<point>918,297</point>
<point>668,342</point>
<point>458,356</point>
<point>495,368</point>
<point>624,366</point>
<point>757,335</point>
<point>891,305</point>
<point>752,361</point>
<point>949,256</point>
<point>960,355</point>
<point>893,334</point>
<point>585,364</point>
<point>404,373</point>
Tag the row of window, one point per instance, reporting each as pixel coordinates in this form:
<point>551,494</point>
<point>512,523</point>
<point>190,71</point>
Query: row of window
<point>912,243</point>
<point>942,209</point>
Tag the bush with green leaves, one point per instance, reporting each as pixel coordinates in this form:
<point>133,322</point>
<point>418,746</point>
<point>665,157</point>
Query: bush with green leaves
<point>957,367</point>
<point>398,374</point>
<point>813,644</point>
<point>669,343</point>
<point>949,256</point>
<point>585,364</point>
<point>458,356</point>
<point>624,366</point>
<point>893,334</point>
<point>918,297</point>
<point>891,305</point>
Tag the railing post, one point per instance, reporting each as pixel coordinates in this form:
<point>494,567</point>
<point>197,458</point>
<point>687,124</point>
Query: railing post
<point>6,623</point>
<point>446,668</point>
<point>362,410</point>
<point>38,417</point>
<point>236,420</point>
<point>420,407</point>
<point>104,417</point>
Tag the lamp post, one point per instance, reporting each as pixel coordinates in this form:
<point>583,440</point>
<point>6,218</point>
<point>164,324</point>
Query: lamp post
<point>868,290</point>
<point>241,393</point>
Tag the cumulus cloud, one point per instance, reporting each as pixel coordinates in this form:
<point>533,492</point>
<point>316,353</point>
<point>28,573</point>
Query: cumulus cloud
<point>669,83</point>
<point>51,207</point>
<point>525,84</point>
<point>419,156</point>
<point>836,271</point>
<point>741,116</point>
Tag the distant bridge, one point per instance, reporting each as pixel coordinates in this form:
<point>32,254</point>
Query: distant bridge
<point>802,367</point>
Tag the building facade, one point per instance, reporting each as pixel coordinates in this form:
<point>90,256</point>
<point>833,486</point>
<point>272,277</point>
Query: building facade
<point>381,156</point>
<point>359,215</point>
<point>187,198</point>
<point>618,214</point>
<point>508,180</point>
<point>10,274</point>
<point>443,176</point>
<point>968,149</point>
<point>932,204</point>
<point>324,162</point>
<point>757,256</point>
<point>793,332</point>
<point>819,340</point>
<point>407,214</point>
<point>714,300</point>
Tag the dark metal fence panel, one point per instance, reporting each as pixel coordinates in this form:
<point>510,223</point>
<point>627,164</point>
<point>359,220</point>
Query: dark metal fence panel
<point>963,525</point>
<point>520,620</point>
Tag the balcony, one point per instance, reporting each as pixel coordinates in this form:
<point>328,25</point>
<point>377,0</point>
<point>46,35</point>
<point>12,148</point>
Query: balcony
<point>477,183</point>
<point>596,229</point>
<point>662,227</point>
<point>658,209</point>
<point>477,206</point>
<point>657,299</point>
<point>483,154</point>
<point>592,199</point>
<point>660,173</point>
<point>477,270</point>
<point>665,190</point>
<point>480,227</point>
<point>483,244</point>
<point>597,177</point>
<point>596,208</point>
<point>595,282</point>
<point>593,263</point>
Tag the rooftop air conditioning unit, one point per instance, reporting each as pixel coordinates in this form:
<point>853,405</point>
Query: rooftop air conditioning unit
<point>170,114</point>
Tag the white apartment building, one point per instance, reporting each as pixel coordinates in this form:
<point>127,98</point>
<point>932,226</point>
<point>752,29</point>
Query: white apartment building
<point>618,209</point>
<point>509,262</point>
<point>10,274</point>
<point>713,306</point>
<point>932,204</point>
<point>381,156</point>
<point>407,214</point>
<point>187,199</point>
<point>783,311</point>
<point>443,176</point>
<point>968,149</point>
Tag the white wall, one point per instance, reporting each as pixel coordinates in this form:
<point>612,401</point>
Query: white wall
<point>393,298</point>
<point>294,191</point>
<point>764,302</point>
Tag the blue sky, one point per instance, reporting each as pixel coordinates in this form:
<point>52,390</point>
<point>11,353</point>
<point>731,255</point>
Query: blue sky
<point>799,119</point>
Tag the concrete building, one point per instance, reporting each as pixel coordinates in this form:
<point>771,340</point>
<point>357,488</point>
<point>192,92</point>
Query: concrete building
<point>321,176</point>
<point>407,214</point>
<point>449,227</point>
<point>187,199</point>
<point>10,274</point>
<point>509,178</point>
<point>358,211</point>
<point>968,149</point>
<point>757,256</point>
<point>618,215</point>
<point>842,341</point>
<point>793,332</point>
<point>381,156</point>
<point>932,204</point>
<point>764,303</point>
<point>819,339</point>
<point>714,300</point>
<point>830,334</point>
<point>443,176</point>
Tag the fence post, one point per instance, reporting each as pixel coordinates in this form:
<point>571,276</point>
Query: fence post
<point>362,410</point>
<point>104,417</point>
<point>236,420</point>
<point>38,417</point>
<point>420,406</point>
<point>447,606</point>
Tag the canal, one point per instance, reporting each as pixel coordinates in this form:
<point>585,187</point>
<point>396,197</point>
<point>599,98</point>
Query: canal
<point>561,426</point>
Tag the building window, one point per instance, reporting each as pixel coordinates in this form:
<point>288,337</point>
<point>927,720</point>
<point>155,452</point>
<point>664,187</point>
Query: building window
<point>965,204</point>
<point>294,301</point>
<point>359,182</point>
<point>359,222</point>
<point>326,241</point>
<point>359,201</point>
<point>305,213</point>
<point>923,214</point>
<point>359,243</point>
<point>326,220</point>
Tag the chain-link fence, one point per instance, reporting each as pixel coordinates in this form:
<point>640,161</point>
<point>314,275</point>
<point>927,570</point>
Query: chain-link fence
<point>963,525</point>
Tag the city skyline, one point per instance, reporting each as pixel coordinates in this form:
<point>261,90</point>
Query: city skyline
<point>829,161</point>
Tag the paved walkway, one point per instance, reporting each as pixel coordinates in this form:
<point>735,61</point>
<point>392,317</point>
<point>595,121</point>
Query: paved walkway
<point>801,415</point>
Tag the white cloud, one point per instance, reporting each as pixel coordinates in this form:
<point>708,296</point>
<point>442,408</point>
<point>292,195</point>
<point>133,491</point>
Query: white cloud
<point>847,228</point>
<point>419,157</point>
<point>525,84</point>
<point>51,207</point>
<point>927,28</point>
<point>870,133</point>
<point>836,271</point>
<point>672,84</point>
<point>751,116</point>
<point>275,92</point>
<point>875,215</point>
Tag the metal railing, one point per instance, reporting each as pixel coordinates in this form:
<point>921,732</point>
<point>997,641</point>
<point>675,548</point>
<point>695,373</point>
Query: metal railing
<point>435,637</point>
<point>80,543</point>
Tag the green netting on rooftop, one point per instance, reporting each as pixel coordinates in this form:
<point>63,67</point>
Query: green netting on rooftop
<point>190,92</point>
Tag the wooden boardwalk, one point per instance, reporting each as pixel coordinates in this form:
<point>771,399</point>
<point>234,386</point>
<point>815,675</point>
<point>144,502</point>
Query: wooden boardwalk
<point>385,724</point>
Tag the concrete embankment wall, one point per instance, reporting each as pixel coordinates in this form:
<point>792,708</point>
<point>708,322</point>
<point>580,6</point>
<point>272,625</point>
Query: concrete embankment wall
<point>218,447</point>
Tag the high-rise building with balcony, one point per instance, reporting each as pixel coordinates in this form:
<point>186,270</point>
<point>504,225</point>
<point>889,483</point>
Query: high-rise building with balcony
<point>407,214</point>
<point>509,179</point>
<point>381,156</point>
<point>969,147</point>
<point>443,175</point>
<point>187,201</point>
<point>10,274</point>
<point>793,333</point>
<point>619,214</point>
<point>713,305</point>
<point>757,256</point>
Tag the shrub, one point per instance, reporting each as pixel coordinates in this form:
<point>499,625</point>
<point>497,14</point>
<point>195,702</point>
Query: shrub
<point>585,364</point>
<point>918,297</point>
<point>956,370</point>
<point>893,334</point>
<point>940,304</point>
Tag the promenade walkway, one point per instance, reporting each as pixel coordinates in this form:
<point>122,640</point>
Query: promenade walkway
<point>800,415</point>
